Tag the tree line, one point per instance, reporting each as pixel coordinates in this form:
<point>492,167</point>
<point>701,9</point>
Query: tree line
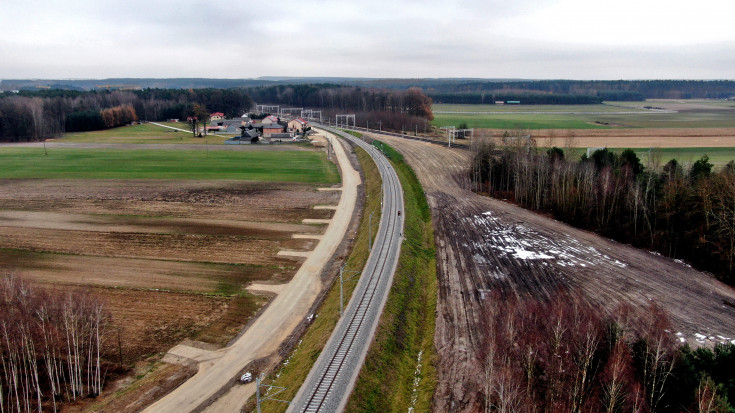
<point>51,346</point>
<point>337,98</point>
<point>649,89</point>
<point>680,211</point>
<point>565,355</point>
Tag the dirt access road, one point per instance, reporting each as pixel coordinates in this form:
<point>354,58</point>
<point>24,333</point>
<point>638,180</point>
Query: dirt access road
<point>218,370</point>
<point>485,244</point>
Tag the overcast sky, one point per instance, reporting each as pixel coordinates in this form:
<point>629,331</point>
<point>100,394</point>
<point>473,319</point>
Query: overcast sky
<point>540,39</point>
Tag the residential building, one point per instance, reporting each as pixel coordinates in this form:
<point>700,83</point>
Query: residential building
<point>270,119</point>
<point>297,125</point>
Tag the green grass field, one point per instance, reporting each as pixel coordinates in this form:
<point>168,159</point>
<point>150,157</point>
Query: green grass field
<point>515,121</point>
<point>286,166</point>
<point>532,108</point>
<point>145,133</point>
<point>717,156</point>
<point>690,114</point>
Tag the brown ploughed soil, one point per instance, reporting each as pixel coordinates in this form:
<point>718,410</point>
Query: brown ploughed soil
<point>171,258</point>
<point>485,244</point>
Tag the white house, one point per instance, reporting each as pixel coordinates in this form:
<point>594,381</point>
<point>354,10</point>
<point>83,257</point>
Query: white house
<point>297,125</point>
<point>270,119</point>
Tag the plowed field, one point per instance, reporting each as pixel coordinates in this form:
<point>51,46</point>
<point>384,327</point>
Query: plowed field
<point>171,258</point>
<point>485,244</point>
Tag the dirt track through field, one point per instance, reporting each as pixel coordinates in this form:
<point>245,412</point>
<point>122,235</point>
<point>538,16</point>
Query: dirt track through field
<point>485,244</point>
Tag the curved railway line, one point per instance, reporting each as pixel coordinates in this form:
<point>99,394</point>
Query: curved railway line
<point>330,382</point>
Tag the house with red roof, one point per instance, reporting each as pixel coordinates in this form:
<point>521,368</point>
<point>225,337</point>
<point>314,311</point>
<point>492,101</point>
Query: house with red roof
<point>297,125</point>
<point>217,116</point>
<point>270,119</point>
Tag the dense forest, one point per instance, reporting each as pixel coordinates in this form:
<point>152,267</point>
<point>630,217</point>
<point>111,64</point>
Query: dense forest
<point>681,212</point>
<point>51,346</point>
<point>335,98</point>
<point>567,356</point>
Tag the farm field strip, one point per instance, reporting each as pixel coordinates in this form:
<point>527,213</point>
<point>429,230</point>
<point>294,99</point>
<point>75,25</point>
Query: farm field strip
<point>64,163</point>
<point>152,225</point>
<point>147,133</point>
<point>458,108</point>
<point>116,272</point>
<point>661,114</point>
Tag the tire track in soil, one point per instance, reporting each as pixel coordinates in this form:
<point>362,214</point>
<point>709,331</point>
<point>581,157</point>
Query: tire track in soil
<point>485,244</point>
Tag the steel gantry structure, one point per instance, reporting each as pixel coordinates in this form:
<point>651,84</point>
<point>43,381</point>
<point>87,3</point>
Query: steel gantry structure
<point>345,120</point>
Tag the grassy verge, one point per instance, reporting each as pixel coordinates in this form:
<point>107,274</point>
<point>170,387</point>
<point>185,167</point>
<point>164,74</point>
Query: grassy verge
<point>393,379</point>
<point>287,166</point>
<point>297,367</point>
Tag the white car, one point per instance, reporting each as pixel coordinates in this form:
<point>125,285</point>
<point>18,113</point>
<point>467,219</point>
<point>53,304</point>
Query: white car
<point>246,378</point>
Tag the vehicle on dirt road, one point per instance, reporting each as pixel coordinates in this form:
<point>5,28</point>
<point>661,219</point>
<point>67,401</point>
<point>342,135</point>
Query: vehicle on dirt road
<point>246,378</point>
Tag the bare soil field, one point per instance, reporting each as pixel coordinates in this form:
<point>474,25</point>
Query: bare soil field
<point>172,259</point>
<point>485,244</point>
<point>629,138</point>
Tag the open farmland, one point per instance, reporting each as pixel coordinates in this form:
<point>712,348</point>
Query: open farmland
<point>146,133</point>
<point>662,114</point>
<point>72,163</point>
<point>485,245</point>
<point>172,257</point>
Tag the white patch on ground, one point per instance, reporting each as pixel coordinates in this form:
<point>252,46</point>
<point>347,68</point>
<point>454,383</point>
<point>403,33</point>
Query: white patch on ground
<point>517,241</point>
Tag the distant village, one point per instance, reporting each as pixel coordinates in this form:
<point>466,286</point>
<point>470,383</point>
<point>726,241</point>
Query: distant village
<point>253,129</point>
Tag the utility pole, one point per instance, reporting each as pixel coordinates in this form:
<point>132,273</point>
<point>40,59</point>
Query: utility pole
<point>370,231</point>
<point>258,383</point>
<point>341,280</point>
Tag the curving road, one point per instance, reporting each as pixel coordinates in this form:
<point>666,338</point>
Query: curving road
<point>333,376</point>
<point>219,370</point>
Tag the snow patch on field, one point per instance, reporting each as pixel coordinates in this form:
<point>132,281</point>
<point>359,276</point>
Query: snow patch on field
<point>517,241</point>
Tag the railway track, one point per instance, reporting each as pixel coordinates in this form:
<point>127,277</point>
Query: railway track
<point>404,136</point>
<point>330,382</point>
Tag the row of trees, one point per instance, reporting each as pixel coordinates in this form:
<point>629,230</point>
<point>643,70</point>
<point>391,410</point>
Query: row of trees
<point>567,356</point>
<point>347,99</point>
<point>51,346</point>
<point>648,89</point>
<point>104,119</point>
<point>681,211</point>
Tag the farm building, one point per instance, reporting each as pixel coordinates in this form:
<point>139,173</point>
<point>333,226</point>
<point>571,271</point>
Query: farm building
<point>217,116</point>
<point>269,130</point>
<point>270,119</point>
<point>297,125</point>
